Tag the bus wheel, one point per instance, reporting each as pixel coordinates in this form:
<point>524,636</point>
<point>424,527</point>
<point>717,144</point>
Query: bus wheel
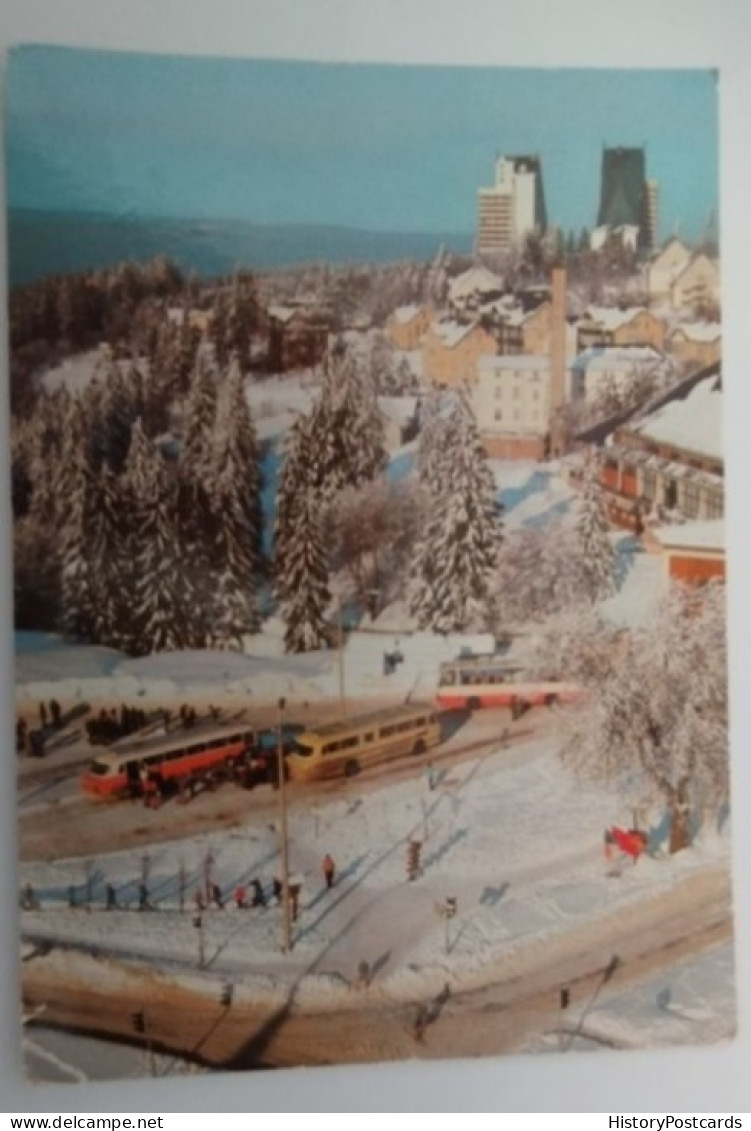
<point>419,747</point>
<point>473,703</point>
<point>351,768</point>
<point>551,700</point>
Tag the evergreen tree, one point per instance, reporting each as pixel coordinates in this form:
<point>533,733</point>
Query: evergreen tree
<point>305,579</point>
<point>236,447</point>
<point>78,589</point>
<point>108,560</point>
<point>158,610</point>
<point>458,554</point>
<point>235,608</point>
<point>294,481</point>
<point>597,557</point>
<point>197,519</point>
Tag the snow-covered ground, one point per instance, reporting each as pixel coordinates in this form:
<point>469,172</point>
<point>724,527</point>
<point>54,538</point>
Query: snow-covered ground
<point>262,674</point>
<point>511,836</point>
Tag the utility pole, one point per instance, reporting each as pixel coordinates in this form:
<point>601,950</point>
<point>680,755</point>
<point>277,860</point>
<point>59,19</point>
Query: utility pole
<point>283,847</point>
<point>342,697</point>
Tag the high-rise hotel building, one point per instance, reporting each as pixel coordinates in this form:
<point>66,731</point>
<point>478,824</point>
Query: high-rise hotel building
<point>514,205</point>
<point>628,201</point>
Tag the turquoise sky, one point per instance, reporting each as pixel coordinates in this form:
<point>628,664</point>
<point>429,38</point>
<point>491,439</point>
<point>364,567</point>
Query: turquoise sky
<point>376,147</point>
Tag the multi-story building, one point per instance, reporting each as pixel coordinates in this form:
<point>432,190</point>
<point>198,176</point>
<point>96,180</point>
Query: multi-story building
<point>628,202</point>
<point>513,206</point>
<point>451,351</point>
<point>511,400</point>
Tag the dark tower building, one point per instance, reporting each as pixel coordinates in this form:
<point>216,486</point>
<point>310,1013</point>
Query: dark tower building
<point>626,200</point>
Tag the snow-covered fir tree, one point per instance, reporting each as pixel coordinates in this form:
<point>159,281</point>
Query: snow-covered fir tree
<point>235,610</point>
<point>457,555</point>
<point>159,609</point>
<point>78,599</point>
<point>595,550</point>
<point>197,518</point>
<point>109,561</point>
<point>236,448</point>
<point>304,581</point>
<point>294,481</point>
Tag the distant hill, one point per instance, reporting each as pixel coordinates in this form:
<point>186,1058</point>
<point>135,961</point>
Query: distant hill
<point>45,243</point>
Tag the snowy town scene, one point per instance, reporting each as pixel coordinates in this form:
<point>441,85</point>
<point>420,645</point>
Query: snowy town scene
<point>369,563</point>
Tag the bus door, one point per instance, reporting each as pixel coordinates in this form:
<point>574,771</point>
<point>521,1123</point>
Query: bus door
<point>132,770</point>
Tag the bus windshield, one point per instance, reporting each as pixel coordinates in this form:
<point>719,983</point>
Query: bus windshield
<point>99,768</point>
<point>302,749</point>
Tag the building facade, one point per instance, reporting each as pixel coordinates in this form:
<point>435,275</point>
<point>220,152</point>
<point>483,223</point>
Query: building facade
<point>451,351</point>
<point>625,200</point>
<point>604,326</point>
<point>513,206</point>
<point>696,343</point>
<point>511,402</point>
<point>669,464</point>
<point>407,326</point>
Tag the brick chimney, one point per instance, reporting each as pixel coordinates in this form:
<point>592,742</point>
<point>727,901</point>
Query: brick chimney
<point>557,356</point>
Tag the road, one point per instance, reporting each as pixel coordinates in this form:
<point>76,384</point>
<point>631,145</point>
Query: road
<point>520,999</point>
<point>56,821</point>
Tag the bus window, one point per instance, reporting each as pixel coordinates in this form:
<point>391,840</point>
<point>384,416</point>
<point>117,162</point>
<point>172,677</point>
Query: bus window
<point>198,748</point>
<point>420,722</point>
<point>235,738</point>
<point>172,755</point>
<point>348,743</point>
<point>386,732</point>
<point>369,736</point>
<point>331,747</point>
<point>100,768</point>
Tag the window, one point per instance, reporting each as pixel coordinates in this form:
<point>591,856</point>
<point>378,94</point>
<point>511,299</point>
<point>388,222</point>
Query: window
<point>331,747</point>
<point>713,504</point>
<point>386,732</point>
<point>348,743</point>
<point>691,498</point>
<point>498,415</point>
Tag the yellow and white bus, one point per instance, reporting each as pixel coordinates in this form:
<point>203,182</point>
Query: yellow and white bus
<point>351,745</point>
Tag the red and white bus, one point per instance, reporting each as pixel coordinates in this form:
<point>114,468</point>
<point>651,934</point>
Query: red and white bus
<point>135,766</point>
<point>494,681</point>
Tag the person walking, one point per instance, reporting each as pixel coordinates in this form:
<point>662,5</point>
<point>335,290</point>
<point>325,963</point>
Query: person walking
<point>42,715</point>
<point>329,869</point>
<point>199,900</point>
<point>259,899</point>
<point>143,898</point>
<point>110,897</point>
<point>56,713</point>
<point>216,896</point>
<point>240,898</point>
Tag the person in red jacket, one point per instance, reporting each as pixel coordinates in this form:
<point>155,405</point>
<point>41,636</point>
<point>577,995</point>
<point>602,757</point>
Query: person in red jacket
<point>328,868</point>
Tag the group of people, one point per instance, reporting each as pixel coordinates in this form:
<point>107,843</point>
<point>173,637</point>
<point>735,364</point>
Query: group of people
<point>109,725</point>
<point>32,740</point>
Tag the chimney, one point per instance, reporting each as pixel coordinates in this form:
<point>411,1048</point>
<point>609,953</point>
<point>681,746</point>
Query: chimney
<point>557,356</point>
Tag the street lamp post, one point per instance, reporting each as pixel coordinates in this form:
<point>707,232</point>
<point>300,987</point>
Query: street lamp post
<point>283,848</point>
<point>342,696</point>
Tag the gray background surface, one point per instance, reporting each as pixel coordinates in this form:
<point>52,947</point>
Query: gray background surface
<point>654,33</point>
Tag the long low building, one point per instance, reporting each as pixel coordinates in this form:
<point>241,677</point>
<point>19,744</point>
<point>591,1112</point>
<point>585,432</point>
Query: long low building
<point>670,462</point>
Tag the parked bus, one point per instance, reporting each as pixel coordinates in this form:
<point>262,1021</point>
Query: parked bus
<point>134,766</point>
<point>351,745</point>
<point>492,681</point>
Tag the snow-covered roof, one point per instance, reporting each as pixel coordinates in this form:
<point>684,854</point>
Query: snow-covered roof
<point>605,357</point>
<point>282,313</point>
<point>404,314</point>
<point>477,280</point>
<point>699,331</point>
<point>534,362</point>
<point>401,409</point>
<point>708,534</point>
<point>612,317</point>
<point>451,333</point>
<point>693,424</point>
